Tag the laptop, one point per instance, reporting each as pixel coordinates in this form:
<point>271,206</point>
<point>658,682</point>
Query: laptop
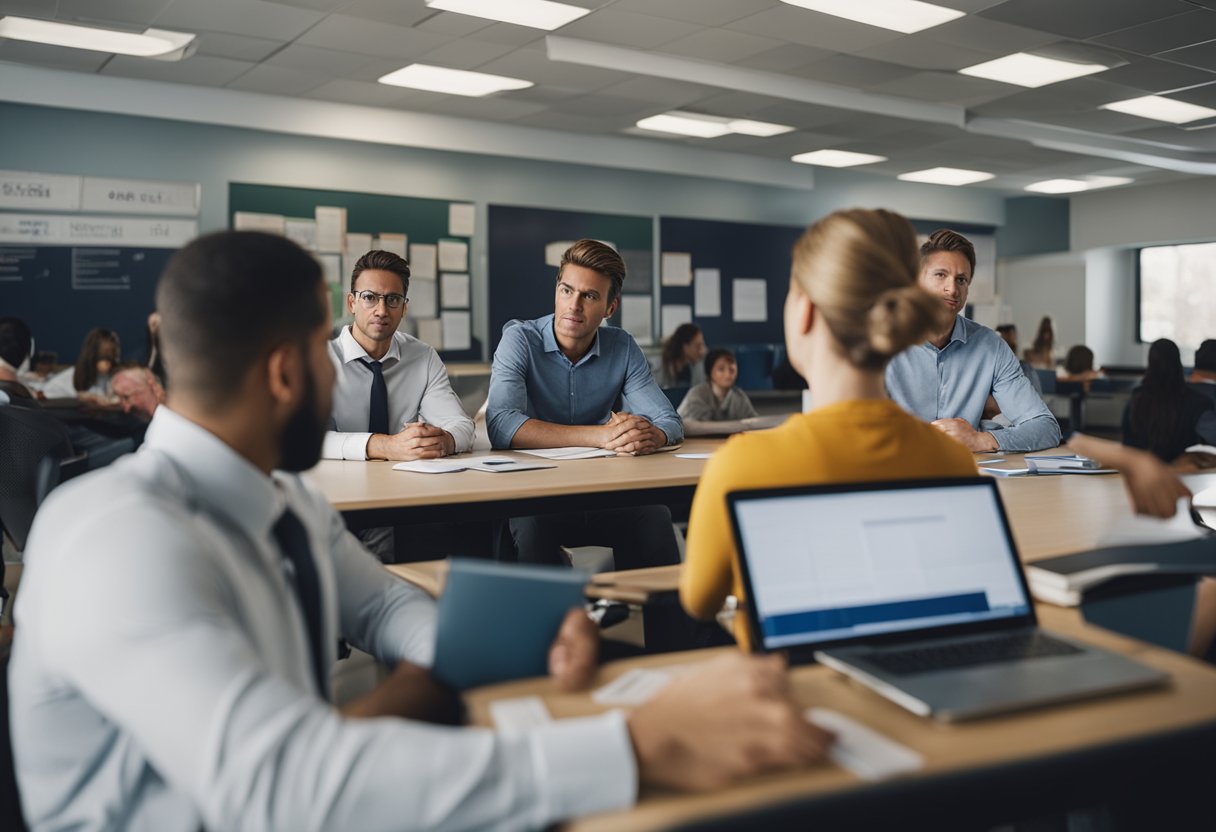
<point>915,590</point>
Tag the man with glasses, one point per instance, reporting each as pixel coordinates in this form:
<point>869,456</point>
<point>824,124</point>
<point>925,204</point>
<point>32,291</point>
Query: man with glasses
<point>392,398</point>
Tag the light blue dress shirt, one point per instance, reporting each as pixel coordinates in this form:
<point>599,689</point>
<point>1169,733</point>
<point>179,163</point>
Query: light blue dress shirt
<point>954,382</point>
<point>532,379</point>
<point>161,678</point>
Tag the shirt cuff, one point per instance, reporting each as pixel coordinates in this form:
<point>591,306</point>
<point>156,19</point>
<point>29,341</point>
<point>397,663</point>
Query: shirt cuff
<point>338,445</point>
<point>585,766</point>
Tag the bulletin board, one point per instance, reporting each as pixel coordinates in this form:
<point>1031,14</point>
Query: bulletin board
<point>422,221</point>
<point>522,277</point>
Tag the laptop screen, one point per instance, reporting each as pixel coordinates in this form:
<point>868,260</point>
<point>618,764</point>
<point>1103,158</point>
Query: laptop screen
<point>843,563</point>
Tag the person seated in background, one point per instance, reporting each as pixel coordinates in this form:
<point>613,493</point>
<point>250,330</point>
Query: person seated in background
<point>947,380</point>
<point>716,400</point>
<point>180,612</point>
<point>679,363</point>
<point>1203,377</point>
<point>558,381</point>
<point>138,391</point>
<point>1009,334</point>
<point>1165,416</point>
<point>1042,353</point>
<point>90,378</point>
<point>853,303</point>
<point>1079,366</point>
<point>16,341</point>
<point>1154,490</point>
<point>393,399</point>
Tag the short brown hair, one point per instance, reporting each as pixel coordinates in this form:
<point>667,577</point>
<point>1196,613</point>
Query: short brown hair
<point>600,258</point>
<point>943,239</point>
<point>384,261</point>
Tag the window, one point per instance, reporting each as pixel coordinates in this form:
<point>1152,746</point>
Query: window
<point>1177,294</point>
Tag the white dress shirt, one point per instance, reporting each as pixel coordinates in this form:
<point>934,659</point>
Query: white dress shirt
<point>160,676</point>
<point>418,388</point>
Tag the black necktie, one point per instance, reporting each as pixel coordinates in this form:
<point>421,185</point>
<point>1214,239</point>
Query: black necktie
<point>377,414</point>
<point>293,540</point>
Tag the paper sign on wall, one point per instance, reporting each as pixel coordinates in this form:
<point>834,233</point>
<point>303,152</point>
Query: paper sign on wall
<point>358,245</point>
<point>636,318</point>
<point>302,232</point>
<point>676,268</point>
<point>453,256</point>
<point>707,292</point>
<point>268,223</point>
<point>392,242</point>
<point>423,300</point>
<point>555,250</point>
<point>460,219</point>
<point>422,260</point>
<point>750,299</point>
<point>331,228</point>
<point>139,196</point>
<point>430,331</point>
<point>673,315</point>
<point>331,266</point>
<point>456,331</point>
<point>39,191</point>
<point>454,290</point>
<point>49,229</point>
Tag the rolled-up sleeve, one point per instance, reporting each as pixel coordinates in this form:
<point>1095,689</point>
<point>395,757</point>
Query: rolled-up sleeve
<point>508,400</point>
<point>1034,427</point>
<point>644,397</point>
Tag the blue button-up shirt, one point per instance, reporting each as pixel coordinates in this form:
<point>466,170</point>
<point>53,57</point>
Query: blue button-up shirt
<point>533,379</point>
<point>954,382</point>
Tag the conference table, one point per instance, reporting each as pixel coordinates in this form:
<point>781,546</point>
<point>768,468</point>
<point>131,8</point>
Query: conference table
<point>1159,743</point>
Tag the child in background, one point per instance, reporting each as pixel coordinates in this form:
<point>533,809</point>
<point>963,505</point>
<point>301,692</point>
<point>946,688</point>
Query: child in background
<point>716,400</point>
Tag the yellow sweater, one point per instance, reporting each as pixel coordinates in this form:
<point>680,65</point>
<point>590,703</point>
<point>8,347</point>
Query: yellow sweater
<point>854,441</point>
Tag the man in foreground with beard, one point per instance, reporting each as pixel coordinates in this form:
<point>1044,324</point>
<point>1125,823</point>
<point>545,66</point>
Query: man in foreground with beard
<point>180,612</point>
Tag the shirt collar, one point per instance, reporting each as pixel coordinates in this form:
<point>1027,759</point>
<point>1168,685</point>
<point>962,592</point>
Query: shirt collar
<point>352,350</point>
<point>549,338</point>
<point>959,333</point>
<point>223,480</point>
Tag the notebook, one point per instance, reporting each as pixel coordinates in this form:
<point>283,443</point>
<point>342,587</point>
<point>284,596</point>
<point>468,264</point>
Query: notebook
<point>915,590</point>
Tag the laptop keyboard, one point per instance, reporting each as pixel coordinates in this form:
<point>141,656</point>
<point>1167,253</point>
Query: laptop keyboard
<point>1006,647</point>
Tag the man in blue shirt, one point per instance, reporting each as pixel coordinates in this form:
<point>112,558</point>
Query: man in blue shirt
<point>947,380</point>
<point>563,380</point>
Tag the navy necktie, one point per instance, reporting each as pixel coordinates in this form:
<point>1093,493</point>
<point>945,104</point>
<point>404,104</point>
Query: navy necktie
<point>292,538</point>
<point>377,414</point>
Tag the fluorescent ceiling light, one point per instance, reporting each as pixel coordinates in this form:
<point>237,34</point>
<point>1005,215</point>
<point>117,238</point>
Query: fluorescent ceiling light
<point>1160,109</point>
<point>747,127</point>
<point>836,158</point>
<point>451,81</point>
<point>151,43</point>
<point>1028,70</point>
<point>1095,182</point>
<point>1072,186</point>
<point>538,14</point>
<point>710,127</point>
<point>905,16</point>
<point>946,176</point>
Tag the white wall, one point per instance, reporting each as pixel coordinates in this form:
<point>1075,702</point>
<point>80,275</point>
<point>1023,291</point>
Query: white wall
<point>1049,284</point>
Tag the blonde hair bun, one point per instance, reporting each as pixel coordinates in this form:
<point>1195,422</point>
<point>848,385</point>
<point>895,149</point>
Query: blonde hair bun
<point>902,317</point>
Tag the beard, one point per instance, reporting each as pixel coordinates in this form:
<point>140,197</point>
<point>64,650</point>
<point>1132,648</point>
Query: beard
<point>300,444</point>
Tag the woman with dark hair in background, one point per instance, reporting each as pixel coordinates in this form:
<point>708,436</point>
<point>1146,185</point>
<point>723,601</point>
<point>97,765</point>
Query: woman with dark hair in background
<point>1042,353</point>
<point>90,378</point>
<point>1164,415</point>
<point>1079,366</point>
<point>680,360</point>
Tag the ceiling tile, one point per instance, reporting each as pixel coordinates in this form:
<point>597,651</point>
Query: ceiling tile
<point>990,35</point>
<point>805,116</point>
<point>660,91</point>
<point>352,34</point>
<point>316,5</point>
<point>140,12</point>
<point>720,45</point>
<point>313,59</point>
<point>922,52</point>
<point>851,71</point>
<point>1155,76</point>
<point>944,86</point>
<point>741,104</point>
<point>372,95</point>
<point>814,29</point>
<point>1174,32</point>
<point>703,12</point>
<point>606,106</point>
<point>466,53</point>
<point>785,58</point>
<point>277,80</point>
<point>200,69</point>
<point>1202,55</point>
<point>255,18</point>
<point>453,25</point>
<point>554,120</point>
<point>54,57</point>
<point>494,108</point>
<point>1083,18</point>
<point>532,65</point>
<point>237,47</point>
<point>395,12</point>
<point>1204,95</point>
<point>639,31</point>
<point>510,35</point>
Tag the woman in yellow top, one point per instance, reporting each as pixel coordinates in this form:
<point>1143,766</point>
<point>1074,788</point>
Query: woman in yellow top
<point>853,304</point>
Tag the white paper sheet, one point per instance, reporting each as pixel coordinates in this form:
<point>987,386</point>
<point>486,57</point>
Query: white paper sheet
<point>454,290</point>
<point>461,219</point>
<point>1140,529</point>
<point>673,315</point>
<point>573,452</point>
<point>331,266</point>
<point>358,244</point>
<point>676,268</point>
<point>749,299</point>
<point>862,750</point>
<point>457,331</point>
<point>302,232</point>
<point>430,331</point>
<point>422,260</point>
<point>268,223</point>
<point>636,318</point>
<point>424,302</point>
<point>453,256</point>
<point>707,293</point>
<point>555,250</point>
<point>392,242</point>
<point>331,228</point>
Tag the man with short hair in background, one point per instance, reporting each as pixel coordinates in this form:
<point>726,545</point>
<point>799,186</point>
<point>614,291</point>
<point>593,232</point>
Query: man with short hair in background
<point>138,391</point>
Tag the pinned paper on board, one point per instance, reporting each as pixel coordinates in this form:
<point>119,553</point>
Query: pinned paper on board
<point>267,223</point>
<point>453,256</point>
<point>422,260</point>
<point>707,293</point>
<point>457,331</point>
<point>331,267</point>
<point>302,232</point>
<point>454,290</point>
<point>636,317</point>
<point>555,250</point>
<point>461,219</point>
<point>676,268</point>
<point>424,302</point>
<point>673,315</point>
<point>358,244</point>
<point>392,242</point>
<point>331,228</point>
<point>750,299</point>
<point>430,332</point>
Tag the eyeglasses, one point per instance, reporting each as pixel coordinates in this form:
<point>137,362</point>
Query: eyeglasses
<point>371,300</point>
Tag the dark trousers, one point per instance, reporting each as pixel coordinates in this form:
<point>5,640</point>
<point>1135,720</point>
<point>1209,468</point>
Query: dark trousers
<point>639,537</point>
